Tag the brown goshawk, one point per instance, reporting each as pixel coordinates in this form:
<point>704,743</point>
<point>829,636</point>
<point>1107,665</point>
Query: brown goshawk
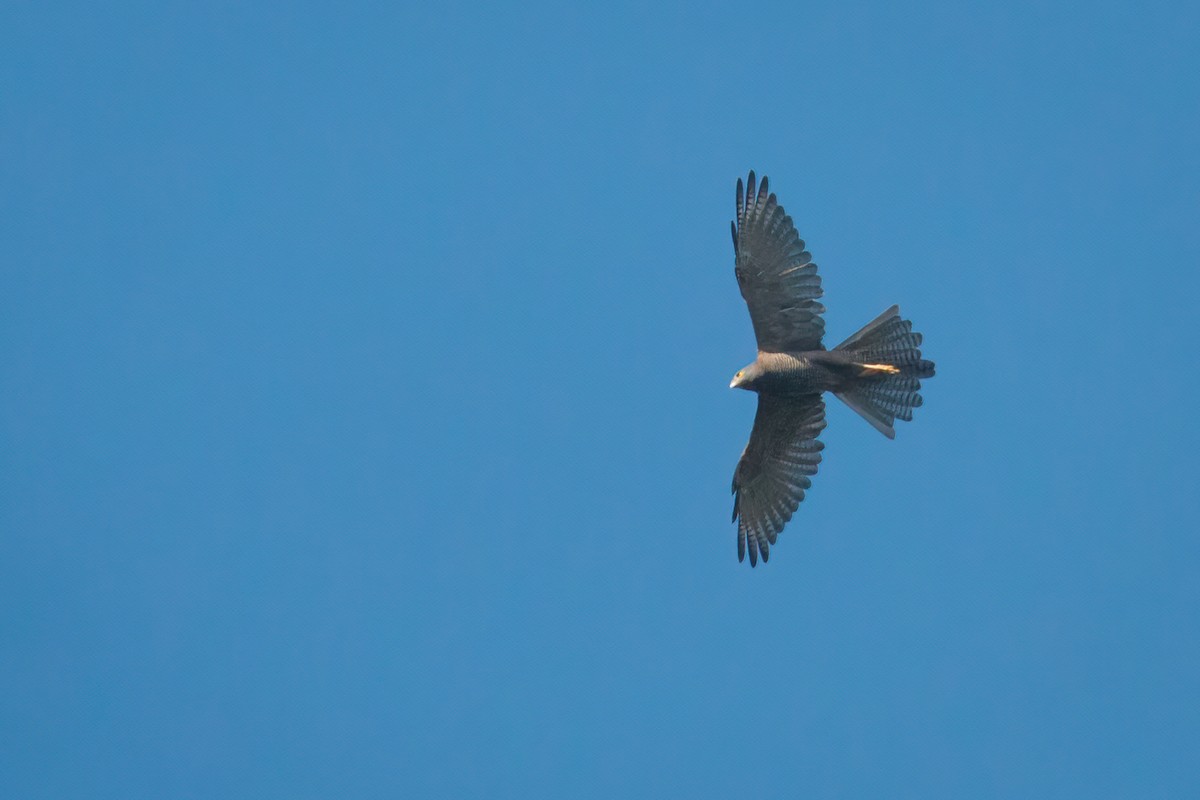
<point>877,371</point>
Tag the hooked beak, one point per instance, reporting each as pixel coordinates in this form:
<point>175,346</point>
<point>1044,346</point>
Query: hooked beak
<point>733,384</point>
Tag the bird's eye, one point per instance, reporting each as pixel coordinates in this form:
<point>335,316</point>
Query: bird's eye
<point>739,374</point>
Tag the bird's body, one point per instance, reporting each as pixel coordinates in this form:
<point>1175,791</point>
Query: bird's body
<point>877,371</point>
<point>807,372</point>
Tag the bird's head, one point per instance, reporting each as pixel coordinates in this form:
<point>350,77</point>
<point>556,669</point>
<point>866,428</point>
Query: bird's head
<point>745,377</point>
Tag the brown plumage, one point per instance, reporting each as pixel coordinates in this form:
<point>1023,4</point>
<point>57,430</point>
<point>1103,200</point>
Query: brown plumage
<point>877,371</point>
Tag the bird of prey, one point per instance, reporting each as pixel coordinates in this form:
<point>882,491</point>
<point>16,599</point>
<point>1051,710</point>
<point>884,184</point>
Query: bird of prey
<point>877,371</point>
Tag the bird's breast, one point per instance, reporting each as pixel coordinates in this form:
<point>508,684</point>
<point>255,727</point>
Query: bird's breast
<point>793,373</point>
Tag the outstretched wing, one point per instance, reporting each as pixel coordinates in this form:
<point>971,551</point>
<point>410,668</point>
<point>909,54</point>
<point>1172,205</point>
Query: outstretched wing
<point>776,274</point>
<point>774,470</point>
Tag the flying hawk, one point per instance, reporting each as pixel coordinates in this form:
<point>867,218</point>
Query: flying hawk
<point>877,371</point>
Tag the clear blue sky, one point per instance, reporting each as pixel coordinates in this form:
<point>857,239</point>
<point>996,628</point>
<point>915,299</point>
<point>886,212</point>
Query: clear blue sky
<point>364,428</point>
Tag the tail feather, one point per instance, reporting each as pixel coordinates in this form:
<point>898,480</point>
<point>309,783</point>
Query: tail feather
<point>883,398</point>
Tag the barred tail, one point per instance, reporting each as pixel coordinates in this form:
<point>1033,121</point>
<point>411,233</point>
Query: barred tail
<point>893,369</point>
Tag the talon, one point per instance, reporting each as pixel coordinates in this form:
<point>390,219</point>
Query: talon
<point>886,369</point>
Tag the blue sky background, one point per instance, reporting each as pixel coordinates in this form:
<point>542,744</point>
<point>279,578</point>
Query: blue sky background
<point>365,429</point>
